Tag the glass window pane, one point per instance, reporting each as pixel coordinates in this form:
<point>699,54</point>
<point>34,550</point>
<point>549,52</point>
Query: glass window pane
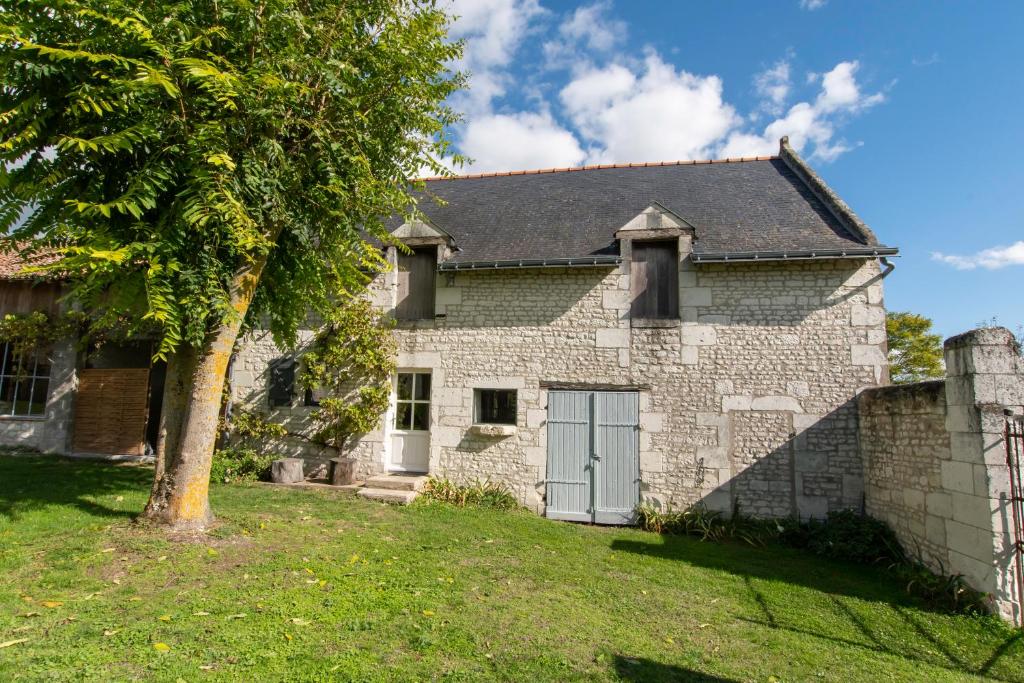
<point>38,406</point>
<point>6,395</point>
<point>421,417</point>
<point>404,386</point>
<point>496,406</point>
<point>21,391</point>
<point>403,416</point>
<point>422,387</point>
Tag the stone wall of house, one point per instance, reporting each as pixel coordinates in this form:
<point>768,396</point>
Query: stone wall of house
<point>935,463</point>
<point>749,396</point>
<point>50,432</point>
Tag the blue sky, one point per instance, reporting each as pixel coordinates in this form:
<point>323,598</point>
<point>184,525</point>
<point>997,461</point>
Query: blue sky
<point>912,112</point>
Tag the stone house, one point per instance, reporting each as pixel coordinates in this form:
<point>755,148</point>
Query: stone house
<point>592,338</point>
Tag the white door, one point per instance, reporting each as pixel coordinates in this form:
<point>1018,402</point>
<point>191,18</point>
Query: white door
<point>410,434</point>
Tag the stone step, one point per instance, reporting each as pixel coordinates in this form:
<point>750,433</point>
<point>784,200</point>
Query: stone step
<point>388,495</point>
<point>401,482</point>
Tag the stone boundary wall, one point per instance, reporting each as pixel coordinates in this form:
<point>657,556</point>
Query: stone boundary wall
<point>935,463</point>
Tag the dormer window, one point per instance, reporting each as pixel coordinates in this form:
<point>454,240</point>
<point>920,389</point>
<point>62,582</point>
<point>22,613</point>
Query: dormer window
<point>654,279</point>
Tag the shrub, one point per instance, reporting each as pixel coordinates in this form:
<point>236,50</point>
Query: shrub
<point>236,463</point>
<point>481,493</point>
<point>698,521</point>
<point>847,535</point>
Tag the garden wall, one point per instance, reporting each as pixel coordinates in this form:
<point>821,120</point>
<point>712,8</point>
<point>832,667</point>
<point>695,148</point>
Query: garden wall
<point>935,463</point>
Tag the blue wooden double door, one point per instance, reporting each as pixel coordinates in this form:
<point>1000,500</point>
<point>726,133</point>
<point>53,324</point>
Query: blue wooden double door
<point>593,464</point>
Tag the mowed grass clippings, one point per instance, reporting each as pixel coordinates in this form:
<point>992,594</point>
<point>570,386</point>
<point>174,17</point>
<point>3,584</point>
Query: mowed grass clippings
<point>321,585</point>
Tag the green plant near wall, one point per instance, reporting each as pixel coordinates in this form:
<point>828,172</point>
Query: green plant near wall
<point>350,364</point>
<point>245,457</point>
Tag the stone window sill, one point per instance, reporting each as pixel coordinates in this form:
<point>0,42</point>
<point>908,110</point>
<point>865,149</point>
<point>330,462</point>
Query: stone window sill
<point>22,418</point>
<point>654,322</point>
<point>493,430</point>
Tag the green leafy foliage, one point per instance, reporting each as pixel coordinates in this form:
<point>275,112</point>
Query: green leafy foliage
<point>848,535</point>
<point>246,456</point>
<point>162,148</point>
<point>252,427</point>
<point>240,463</point>
<point>702,523</point>
<point>350,364</point>
<point>487,494</point>
<point>915,353</point>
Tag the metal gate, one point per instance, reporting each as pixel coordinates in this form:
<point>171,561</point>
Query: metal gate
<point>1015,462</point>
<point>593,456</point>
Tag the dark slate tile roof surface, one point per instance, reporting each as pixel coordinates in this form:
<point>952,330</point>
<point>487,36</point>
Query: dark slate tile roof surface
<point>735,206</point>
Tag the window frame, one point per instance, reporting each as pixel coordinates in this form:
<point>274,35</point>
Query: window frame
<point>412,401</point>
<point>478,407</point>
<point>661,305</point>
<point>33,378</point>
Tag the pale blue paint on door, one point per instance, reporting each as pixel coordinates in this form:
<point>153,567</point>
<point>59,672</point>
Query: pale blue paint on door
<point>593,456</point>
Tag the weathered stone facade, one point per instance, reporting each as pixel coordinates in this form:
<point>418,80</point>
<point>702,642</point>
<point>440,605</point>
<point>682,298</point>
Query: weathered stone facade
<point>748,396</point>
<point>935,463</point>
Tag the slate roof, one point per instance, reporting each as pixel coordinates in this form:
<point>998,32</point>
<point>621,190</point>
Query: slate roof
<point>737,207</point>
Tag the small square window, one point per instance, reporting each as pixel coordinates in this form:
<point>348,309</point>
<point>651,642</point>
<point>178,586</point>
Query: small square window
<point>495,406</point>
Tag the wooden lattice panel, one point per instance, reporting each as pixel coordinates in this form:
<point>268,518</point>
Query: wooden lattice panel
<point>110,411</point>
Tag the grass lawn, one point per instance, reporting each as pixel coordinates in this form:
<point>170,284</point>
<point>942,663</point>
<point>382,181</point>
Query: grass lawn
<point>313,585</point>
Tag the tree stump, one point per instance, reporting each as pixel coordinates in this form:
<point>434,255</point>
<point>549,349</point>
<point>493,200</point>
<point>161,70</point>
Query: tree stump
<point>286,471</point>
<point>342,471</point>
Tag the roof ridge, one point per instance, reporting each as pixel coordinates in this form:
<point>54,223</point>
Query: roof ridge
<point>597,167</point>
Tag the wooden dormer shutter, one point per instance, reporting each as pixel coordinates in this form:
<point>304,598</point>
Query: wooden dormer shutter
<point>654,279</point>
<point>416,273</point>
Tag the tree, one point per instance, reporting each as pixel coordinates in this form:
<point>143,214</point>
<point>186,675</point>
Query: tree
<point>915,353</point>
<point>351,360</point>
<point>195,163</point>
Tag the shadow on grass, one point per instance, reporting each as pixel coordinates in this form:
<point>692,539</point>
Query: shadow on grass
<point>640,669</point>
<point>36,482</point>
<point>837,581</point>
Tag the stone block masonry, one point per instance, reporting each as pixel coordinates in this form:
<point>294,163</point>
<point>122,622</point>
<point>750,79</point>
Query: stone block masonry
<point>935,463</point>
<point>748,397</point>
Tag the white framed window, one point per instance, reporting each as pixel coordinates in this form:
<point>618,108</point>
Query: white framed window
<point>412,402</point>
<point>494,406</point>
<point>24,383</point>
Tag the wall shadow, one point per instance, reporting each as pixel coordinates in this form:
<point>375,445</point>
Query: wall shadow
<point>32,482</point>
<point>648,670</point>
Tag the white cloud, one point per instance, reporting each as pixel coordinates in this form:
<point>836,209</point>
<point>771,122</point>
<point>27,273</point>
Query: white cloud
<point>990,259</point>
<point>588,28</point>
<point>590,25</point>
<point>810,125</point>
<point>660,113</point>
<point>493,31</point>
<point>525,140</point>
<point>812,5</point>
<point>773,85</point>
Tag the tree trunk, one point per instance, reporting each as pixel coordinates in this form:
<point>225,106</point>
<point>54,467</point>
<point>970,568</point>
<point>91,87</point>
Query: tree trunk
<point>180,495</point>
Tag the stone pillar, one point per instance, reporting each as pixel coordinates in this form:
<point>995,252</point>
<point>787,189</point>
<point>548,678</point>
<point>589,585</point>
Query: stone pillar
<point>985,380</point>
<point>60,406</point>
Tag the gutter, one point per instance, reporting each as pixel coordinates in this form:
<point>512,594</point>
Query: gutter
<point>794,255</point>
<point>582,261</point>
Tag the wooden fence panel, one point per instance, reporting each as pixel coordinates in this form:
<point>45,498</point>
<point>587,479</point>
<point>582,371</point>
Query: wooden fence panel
<point>111,410</point>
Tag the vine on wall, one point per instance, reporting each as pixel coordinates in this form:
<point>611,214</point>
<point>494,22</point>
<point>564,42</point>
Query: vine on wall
<point>349,365</point>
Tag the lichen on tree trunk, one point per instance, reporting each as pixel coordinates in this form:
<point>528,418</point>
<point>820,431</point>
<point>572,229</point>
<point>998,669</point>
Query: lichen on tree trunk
<point>192,398</point>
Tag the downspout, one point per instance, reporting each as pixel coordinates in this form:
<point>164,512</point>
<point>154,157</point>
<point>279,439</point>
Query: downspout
<point>889,267</point>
